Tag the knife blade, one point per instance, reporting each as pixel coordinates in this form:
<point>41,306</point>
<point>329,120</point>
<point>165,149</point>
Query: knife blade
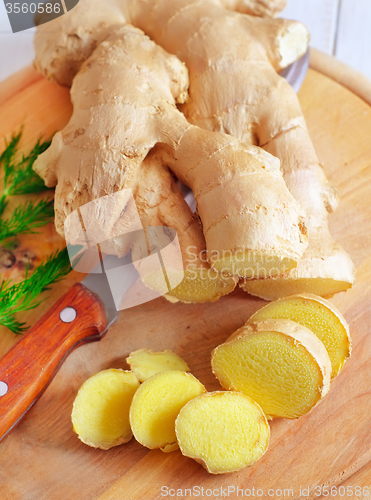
<point>82,315</point>
<point>297,71</point>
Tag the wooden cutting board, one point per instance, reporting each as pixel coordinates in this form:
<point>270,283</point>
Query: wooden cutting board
<point>43,459</point>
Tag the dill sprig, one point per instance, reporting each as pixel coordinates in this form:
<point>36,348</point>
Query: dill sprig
<point>23,296</point>
<point>26,218</point>
<point>19,177</point>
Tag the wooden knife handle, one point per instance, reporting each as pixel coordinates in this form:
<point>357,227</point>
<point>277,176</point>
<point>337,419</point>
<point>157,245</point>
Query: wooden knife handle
<point>27,369</point>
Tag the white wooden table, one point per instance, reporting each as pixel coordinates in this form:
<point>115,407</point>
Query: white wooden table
<point>341,28</point>
<point>338,27</point>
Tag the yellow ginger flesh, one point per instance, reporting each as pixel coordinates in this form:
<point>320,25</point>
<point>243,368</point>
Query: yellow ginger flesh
<point>100,414</point>
<point>145,363</point>
<point>224,431</point>
<point>197,286</point>
<point>202,285</point>
<point>321,317</point>
<point>156,405</point>
<point>254,264</point>
<point>274,289</point>
<point>283,367</point>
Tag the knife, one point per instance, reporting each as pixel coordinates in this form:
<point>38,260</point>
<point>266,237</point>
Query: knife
<point>82,315</point>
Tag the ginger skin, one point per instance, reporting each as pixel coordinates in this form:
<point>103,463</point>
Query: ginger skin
<point>262,8</point>
<point>160,203</point>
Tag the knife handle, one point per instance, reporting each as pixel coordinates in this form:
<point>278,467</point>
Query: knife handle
<point>27,369</point>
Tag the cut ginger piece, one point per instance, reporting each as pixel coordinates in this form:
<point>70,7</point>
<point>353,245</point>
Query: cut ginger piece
<point>253,264</point>
<point>156,405</point>
<point>320,316</point>
<point>146,363</point>
<point>100,414</point>
<point>273,289</point>
<point>280,364</point>
<point>224,431</point>
<point>197,286</point>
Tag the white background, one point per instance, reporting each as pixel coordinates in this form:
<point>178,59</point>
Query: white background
<point>338,27</point>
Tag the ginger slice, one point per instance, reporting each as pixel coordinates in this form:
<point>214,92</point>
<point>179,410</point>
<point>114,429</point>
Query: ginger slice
<point>100,414</point>
<point>320,316</point>
<point>146,363</point>
<point>224,431</point>
<point>156,405</point>
<point>250,264</point>
<point>278,363</point>
<point>201,285</point>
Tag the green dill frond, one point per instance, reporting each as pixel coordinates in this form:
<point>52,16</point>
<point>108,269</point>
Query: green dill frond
<point>3,204</point>
<point>26,218</point>
<point>23,296</point>
<point>8,156</point>
<point>19,177</point>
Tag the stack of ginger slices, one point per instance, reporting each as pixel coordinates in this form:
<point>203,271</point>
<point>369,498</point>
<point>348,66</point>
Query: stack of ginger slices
<point>279,364</point>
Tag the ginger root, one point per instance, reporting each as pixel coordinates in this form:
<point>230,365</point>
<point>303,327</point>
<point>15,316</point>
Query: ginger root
<point>320,317</point>
<point>100,152</point>
<point>100,414</point>
<point>145,363</point>
<point>280,364</point>
<point>234,88</point>
<point>224,431</point>
<point>156,405</point>
<point>124,101</point>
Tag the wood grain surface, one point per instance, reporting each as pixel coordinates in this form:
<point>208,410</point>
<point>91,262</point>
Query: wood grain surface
<point>43,459</point>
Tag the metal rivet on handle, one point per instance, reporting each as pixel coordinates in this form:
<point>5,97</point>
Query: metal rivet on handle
<point>3,388</point>
<point>68,315</point>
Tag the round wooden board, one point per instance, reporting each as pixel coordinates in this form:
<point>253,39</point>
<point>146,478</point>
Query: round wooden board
<point>43,459</point>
